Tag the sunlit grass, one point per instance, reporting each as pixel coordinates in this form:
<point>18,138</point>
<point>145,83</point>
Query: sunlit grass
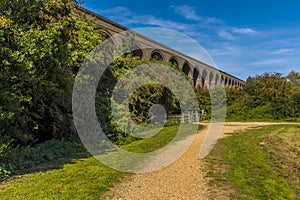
<point>259,163</point>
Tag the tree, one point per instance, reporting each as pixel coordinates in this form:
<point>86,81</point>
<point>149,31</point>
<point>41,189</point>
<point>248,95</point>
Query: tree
<point>294,77</point>
<point>42,45</point>
<point>267,96</point>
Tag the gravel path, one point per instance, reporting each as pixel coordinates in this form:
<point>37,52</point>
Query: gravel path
<point>184,179</point>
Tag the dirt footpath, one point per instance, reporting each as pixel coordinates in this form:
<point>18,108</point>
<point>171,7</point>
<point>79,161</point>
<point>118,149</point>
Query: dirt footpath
<point>184,179</point>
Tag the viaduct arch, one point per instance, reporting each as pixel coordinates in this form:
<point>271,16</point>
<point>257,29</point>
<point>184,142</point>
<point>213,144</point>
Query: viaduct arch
<point>201,74</point>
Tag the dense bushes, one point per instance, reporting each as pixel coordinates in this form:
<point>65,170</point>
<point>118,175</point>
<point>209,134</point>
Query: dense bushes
<point>266,97</point>
<point>41,46</point>
<point>17,159</point>
<point>139,103</point>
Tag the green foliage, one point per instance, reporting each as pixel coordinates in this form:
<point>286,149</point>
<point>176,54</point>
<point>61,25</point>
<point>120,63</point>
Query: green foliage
<point>42,45</point>
<point>294,78</point>
<point>265,97</point>
<point>14,160</point>
<point>140,100</point>
<point>204,99</point>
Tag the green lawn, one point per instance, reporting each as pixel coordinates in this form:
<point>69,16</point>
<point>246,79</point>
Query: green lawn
<point>160,140</point>
<point>81,179</point>
<point>262,163</point>
<point>84,178</point>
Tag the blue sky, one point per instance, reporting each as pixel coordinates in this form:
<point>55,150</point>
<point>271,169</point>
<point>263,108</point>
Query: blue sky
<point>244,37</point>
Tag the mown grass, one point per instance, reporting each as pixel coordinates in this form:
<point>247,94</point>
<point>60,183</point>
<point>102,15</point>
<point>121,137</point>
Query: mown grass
<point>262,163</point>
<point>84,178</point>
<point>160,140</point>
<point>80,179</point>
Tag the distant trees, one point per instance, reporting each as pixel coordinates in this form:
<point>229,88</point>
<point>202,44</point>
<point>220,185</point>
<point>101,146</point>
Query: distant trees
<point>265,97</point>
<point>294,78</point>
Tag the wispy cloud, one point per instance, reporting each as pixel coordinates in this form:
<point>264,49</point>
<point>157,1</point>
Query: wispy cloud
<point>214,25</point>
<point>271,61</point>
<point>233,48</point>
<point>281,51</point>
<point>150,20</point>
<point>226,35</point>
<point>127,18</point>
<point>244,30</point>
<point>117,10</point>
<point>189,12</point>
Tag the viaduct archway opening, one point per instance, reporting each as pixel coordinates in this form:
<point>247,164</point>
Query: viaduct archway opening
<point>156,55</point>
<point>211,77</point>
<point>217,80</point>
<point>186,69</point>
<point>195,77</point>
<point>138,53</point>
<point>174,62</point>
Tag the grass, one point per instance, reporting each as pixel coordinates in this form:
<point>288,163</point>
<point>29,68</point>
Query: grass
<point>80,179</point>
<point>158,141</point>
<point>246,119</point>
<point>261,163</point>
<point>84,178</point>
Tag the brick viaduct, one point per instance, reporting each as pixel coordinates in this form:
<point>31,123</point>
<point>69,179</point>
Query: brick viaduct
<point>200,73</point>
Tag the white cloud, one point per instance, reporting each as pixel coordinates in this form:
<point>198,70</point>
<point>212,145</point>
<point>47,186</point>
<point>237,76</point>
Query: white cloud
<point>226,35</point>
<point>116,11</point>
<point>189,12</point>
<point>272,61</point>
<point>244,30</point>
<point>233,48</point>
<point>126,17</point>
<point>281,51</point>
<point>150,20</point>
<point>186,11</point>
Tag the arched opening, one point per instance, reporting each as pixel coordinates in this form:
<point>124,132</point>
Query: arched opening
<point>211,77</point>
<point>229,82</point>
<point>204,75</point>
<point>173,61</point>
<point>226,81</point>
<point>195,77</point>
<point>217,80</point>
<point>157,56</point>
<point>186,69</point>
<point>222,80</point>
<point>138,53</point>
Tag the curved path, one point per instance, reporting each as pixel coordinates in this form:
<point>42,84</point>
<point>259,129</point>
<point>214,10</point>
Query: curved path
<point>184,179</point>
